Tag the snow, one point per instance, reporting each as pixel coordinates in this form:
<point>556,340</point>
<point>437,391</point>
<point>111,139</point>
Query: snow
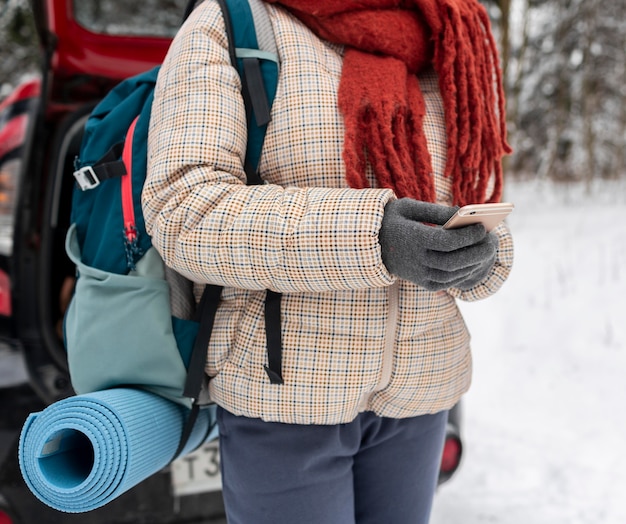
<point>543,422</point>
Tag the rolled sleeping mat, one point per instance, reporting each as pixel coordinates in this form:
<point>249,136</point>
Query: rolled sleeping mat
<point>82,452</point>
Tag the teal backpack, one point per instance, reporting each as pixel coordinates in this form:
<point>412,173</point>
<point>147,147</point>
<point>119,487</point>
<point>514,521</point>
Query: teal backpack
<point>132,321</point>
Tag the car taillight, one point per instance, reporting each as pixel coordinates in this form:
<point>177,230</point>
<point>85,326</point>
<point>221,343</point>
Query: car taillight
<point>5,298</point>
<point>16,112</point>
<point>9,173</point>
<point>452,451</point>
<point>5,518</point>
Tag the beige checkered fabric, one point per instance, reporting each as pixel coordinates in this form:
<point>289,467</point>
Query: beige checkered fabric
<point>355,338</point>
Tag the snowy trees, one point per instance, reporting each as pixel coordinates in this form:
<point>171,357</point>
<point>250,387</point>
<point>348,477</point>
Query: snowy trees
<point>18,52</point>
<point>566,82</point>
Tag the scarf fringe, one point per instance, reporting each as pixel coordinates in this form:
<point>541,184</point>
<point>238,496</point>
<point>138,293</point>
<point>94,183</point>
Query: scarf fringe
<point>382,104</point>
<point>466,60</point>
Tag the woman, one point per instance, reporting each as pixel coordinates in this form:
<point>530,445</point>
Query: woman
<point>388,114</point>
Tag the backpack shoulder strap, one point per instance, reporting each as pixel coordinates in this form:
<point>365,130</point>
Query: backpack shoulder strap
<point>254,54</point>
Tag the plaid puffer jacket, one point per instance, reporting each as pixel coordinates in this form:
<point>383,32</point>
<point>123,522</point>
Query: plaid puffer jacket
<point>355,338</point>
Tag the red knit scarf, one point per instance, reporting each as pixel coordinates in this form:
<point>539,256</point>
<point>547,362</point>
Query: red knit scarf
<point>387,43</point>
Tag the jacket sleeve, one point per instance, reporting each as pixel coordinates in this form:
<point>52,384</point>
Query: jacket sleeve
<point>499,273</point>
<point>211,227</point>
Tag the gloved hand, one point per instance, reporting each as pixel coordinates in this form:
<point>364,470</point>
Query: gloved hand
<point>430,256</point>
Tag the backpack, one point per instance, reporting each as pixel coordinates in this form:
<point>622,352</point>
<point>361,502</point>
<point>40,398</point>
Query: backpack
<point>131,321</point>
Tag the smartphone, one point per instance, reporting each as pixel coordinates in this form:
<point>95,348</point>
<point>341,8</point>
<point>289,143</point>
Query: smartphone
<point>490,215</point>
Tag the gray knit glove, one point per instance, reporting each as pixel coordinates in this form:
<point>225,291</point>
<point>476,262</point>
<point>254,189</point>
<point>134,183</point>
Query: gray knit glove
<point>430,256</point>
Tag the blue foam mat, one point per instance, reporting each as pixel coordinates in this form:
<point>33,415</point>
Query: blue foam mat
<point>82,452</point>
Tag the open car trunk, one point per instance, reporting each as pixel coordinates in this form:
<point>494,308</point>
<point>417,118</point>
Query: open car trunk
<point>85,53</point>
<point>88,47</point>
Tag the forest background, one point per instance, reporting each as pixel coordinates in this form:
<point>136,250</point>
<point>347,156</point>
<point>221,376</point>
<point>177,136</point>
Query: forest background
<point>563,62</point>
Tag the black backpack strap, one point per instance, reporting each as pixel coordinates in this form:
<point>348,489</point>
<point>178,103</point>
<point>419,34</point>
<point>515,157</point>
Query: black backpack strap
<point>255,98</point>
<point>273,334</point>
<point>109,166</point>
<point>252,177</point>
<point>205,316</point>
<point>230,33</point>
<point>187,429</point>
<point>191,4</point>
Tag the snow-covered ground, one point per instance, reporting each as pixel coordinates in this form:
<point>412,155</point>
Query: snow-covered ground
<point>545,429</point>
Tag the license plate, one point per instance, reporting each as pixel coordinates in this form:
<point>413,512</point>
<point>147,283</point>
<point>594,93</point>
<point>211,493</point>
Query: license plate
<point>197,472</point>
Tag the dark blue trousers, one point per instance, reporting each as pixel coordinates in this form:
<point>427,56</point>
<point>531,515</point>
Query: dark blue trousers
<point>373,470</point>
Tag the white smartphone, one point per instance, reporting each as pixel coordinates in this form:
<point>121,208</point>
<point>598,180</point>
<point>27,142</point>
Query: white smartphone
<point>490,215</point>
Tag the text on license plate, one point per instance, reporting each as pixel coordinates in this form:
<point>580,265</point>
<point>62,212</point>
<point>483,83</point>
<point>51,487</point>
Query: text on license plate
<point>197,472</point>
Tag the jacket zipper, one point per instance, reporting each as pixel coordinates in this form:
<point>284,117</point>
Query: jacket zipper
<point>390,343</point>
<point>128,209</point>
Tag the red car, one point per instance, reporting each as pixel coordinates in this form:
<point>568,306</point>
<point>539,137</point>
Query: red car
<point>87,48</point>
